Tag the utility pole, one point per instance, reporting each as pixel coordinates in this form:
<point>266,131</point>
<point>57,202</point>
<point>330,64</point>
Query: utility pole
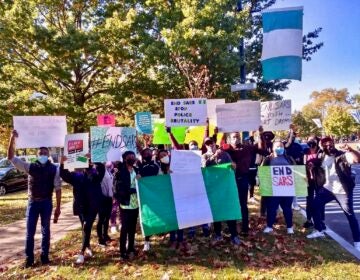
<point>242,57</point>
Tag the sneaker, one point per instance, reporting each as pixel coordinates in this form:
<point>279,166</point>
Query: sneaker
<point>296,207</point>
<point>308,224</point>
<point>80,259</point>
<point>113,230</point>
<point>357,246</point>
<point>89,253</point>
<point>28,263</point>
<point>44,260</point>
<point>290,230</point>
<point>252,200</point>
<point>268,230</point>
<point>235,240</point>
<point>315,234</point>
<point>146,246</point>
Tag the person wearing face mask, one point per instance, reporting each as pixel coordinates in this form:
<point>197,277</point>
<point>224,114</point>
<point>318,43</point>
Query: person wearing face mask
<point>338,186</point>
<point>87,191</point>
<point>312,159</point>
<point>125,193</point>
<point>147,167</point>
<point>242,156</point>
<point>43,179</point>
<point>278,158</point>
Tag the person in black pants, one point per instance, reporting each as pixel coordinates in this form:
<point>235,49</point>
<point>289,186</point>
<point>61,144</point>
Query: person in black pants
<point>87,193</point>
<point>125,193</point>
<point>105,206</point>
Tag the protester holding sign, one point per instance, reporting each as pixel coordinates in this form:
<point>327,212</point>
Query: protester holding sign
<point>338,186</point>
<point>43,179</point>
<point>242,156</point>
<point>279,159</point>
<point>125,193</point>
<point>87,199</point>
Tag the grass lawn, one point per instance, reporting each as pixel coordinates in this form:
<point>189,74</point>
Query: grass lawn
<point>275,256</point>
<point>13,205</point>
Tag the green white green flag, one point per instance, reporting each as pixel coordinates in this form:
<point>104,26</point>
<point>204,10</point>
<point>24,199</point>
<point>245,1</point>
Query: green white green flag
<point>288,180</point>
<point>164,206</point>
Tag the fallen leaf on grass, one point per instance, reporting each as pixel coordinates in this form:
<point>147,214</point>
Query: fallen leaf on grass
<point>165,276</point>
<point>319,258</point>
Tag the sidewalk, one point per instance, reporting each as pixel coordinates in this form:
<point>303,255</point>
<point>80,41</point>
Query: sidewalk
<point>12,236</point>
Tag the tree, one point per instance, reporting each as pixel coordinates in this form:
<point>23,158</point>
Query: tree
<point>338,122</point>
<point>305,125</point>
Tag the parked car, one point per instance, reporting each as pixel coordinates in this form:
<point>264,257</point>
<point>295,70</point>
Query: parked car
<point>11,179</point>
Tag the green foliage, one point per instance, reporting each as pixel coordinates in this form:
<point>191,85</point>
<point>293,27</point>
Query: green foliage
<point>338,122</point>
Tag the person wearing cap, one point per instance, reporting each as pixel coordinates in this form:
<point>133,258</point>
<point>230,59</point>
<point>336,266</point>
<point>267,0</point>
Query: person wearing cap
<point>215,156</point>
<point>125,193</point>
<point>338,186</point>
<point>43,179</point>
<point>241,155</point>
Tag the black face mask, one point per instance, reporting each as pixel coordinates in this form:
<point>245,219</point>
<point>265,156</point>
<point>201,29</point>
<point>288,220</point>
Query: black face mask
<point>130,161</point>
<point>312,144</point>
<point>329,151</point>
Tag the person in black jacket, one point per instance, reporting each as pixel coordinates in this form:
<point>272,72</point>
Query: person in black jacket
<point>125,193</point>
<point>87,194</point>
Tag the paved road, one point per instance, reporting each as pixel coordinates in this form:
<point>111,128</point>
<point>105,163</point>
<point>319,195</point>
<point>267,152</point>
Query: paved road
<point>334,216</point>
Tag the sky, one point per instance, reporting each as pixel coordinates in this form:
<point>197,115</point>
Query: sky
<point>337,63</point>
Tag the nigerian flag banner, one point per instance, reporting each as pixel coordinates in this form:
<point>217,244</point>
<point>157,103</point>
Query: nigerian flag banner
<point>282,43</point>
<point>171,202</point>
<point>287,180</point>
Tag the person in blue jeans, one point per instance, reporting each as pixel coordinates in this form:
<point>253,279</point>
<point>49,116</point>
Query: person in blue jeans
<point>43,179</point>
<point>278,158</point>
<point>338,186</point>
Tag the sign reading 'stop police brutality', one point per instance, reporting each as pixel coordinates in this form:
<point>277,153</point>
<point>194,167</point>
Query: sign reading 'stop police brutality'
<point>185,112</point>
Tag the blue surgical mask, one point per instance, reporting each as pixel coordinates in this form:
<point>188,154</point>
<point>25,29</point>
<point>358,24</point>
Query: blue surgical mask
<point>279,151</point>
<point>42,159</point>
<point>193,148</point>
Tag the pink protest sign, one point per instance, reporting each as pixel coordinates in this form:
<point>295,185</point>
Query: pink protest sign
<point>106,120</point>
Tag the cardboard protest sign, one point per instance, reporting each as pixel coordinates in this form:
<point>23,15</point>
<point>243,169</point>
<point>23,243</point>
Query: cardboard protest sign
<point>143,122</point>
<point>109,143</point>
<point>211,109</point>
<point>106,120</point>
<point>287,180</point>
<point>239,116</point>
<point>162,137</point>
<point>276,115</point>
<point>40,131</point>
<point>75,149</point>
<point>185,162</point>
<point>185,112</point>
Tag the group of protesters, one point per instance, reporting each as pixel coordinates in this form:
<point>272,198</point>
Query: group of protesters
<point>104,189</point>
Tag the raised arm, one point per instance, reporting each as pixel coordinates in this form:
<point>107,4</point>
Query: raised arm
<point>174,143</point>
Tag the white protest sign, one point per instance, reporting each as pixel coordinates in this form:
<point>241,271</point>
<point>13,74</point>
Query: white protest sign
<point>356,115</point>
<point>185,112</point>
<point>185,161</point>
<point>75,149</point>
<point>283,180</point>
<point>40,131</point>
<point>317,122</point>
<point>276,115</point>
<point>109,143</point>
<point>239,116</point>
<point>211,109</point>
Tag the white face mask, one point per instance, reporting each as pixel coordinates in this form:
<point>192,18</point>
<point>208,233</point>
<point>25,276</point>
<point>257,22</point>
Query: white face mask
<point>43,159</point>
<point>165,160</point>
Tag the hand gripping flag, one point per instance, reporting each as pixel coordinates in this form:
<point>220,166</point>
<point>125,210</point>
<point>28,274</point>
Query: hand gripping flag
<point>282,43</point>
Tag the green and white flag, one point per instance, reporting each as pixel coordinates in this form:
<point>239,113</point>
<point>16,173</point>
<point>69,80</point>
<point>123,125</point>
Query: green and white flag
<point>177,201</point>
<point>289,180</point>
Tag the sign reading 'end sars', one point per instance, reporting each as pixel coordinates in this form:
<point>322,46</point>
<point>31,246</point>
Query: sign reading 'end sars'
<point>185,112</point>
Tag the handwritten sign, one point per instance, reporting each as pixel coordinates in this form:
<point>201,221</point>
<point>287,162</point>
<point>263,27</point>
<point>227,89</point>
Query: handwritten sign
<point>287,180</point>
<point>211,109</point>
<point>109,143</point>
<point>185,112</point>
<point>185,162</point>
<point>143,122</point>
<point>276,115</point>
<point>40,131</point>
<point>239,116</point>
<point>75,149</point>
<point>106,120</point>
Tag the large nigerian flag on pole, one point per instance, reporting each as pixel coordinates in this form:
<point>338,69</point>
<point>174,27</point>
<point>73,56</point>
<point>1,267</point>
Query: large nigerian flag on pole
<point>282,43</point>
<point>166,205</point>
